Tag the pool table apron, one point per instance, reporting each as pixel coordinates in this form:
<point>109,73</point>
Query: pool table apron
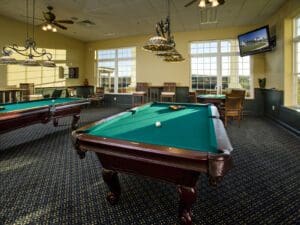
<point>21,118</point>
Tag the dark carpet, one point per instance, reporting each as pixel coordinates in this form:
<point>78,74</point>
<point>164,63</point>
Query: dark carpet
<point>43,181</point>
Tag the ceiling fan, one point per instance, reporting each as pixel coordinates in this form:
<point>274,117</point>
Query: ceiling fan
<point>206,3</point>
<point>50,19</point>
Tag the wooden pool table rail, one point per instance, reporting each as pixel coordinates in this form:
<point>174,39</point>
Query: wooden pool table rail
<point>179,166</point>
<point>24,117</point>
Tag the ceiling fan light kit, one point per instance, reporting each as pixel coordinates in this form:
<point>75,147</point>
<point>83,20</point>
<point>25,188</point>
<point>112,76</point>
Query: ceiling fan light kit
<point>51,23</point>
<point>49,27</point>
<point>206,3</point>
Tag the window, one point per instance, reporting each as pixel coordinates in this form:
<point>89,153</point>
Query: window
<point>40,76</point>
<point>216,64</point>
<point>297,60</point>
<point>123,63</point>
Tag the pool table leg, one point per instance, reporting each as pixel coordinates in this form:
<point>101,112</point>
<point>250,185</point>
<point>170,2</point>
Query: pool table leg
<point>111,179</point>
<point>75,121</point>
<point>187,197</point>
<point>55,122</point>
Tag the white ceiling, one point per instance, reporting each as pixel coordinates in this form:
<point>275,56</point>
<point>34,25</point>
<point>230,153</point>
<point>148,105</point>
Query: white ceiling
<point>119,18</point>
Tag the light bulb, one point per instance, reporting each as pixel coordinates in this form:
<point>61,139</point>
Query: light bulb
<point>54,29</point>
<point>44,28</point>
<point>210,0</point>
<point>202,4</point>
<point>49,27</point>
<point>215,3</point>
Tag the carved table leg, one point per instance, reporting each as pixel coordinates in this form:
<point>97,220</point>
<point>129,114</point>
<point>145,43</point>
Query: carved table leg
<point>187,197</point>
<point>111,179</point>
<point>75,122</point>
<point>55,122</point>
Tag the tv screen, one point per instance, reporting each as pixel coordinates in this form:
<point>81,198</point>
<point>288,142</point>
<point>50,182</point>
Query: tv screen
<point>254,42</point>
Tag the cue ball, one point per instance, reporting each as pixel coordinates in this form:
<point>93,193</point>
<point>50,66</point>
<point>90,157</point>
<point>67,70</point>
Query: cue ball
<point>157,124</point>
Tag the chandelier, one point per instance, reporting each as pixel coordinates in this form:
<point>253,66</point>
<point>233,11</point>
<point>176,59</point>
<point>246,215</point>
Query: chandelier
<point>163,43</point>
<point>29,50</point>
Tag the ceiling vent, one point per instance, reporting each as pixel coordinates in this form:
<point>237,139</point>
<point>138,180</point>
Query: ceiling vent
<point>86,23</point>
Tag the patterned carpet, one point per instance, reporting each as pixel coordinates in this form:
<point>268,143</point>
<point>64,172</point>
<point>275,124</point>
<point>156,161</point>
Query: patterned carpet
<point>42,181</point>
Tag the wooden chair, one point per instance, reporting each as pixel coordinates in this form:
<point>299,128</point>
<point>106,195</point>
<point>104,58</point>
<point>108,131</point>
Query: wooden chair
<point>98,97</point>
<point>72,92</point>
<point>57,93</point>
<point>168,91</point>
<point>201,92</point>
<point>141,92</point>
<point>233,109</point>
<point>241,94</point>
<point>192,97</point>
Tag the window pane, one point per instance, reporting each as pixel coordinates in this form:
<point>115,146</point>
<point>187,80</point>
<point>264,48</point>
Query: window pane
<point>297,58</point>
<point>204,82</point>
<point>225,46</point>
<point>106,54</point>
<point>204,47</point>
<point>298,90</point>
<point>206,57</point>
<point>226,65</point>
<point>124,64</point>
<point>40,76</point>
<point>244,66</point>
<point>126,53</point>
<point>298,26</point>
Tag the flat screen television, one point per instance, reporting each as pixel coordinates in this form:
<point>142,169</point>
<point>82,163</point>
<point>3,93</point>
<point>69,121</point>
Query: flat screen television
<point>255,41</point>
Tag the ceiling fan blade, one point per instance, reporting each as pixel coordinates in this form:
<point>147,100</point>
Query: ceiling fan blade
<point>65,21</point>
<point>191,2</point>
<point>59,25</point>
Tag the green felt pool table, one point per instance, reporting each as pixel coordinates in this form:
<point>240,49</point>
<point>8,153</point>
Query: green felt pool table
<point>189,141</point>
<point>212,98</point>
<point>16,115</point>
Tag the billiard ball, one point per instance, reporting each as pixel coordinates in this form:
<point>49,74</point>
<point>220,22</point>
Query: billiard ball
<point>157,124</point>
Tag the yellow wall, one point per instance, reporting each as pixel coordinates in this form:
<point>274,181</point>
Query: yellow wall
<point>279,63</point>
<point>14,32</point>
<point>150,68</point>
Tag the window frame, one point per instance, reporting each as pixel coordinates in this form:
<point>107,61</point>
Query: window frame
<point>296,70</point>
<point>219,56</point>
<point>116,61</point>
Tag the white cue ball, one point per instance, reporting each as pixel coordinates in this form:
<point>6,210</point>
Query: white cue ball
<point>157,124</point>
<point>53,100</point>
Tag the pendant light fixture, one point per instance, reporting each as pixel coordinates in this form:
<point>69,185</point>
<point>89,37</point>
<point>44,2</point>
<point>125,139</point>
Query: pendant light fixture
<point>29,50</point>
<point>163,43</point>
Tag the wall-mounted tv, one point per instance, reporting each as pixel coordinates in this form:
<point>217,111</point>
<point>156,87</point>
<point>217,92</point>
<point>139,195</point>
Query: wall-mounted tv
<point>255,41</point>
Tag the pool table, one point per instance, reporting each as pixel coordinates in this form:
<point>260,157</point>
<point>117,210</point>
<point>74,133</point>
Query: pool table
<point>163,142</point>
<point>212,98</point>
<point>21,114</point>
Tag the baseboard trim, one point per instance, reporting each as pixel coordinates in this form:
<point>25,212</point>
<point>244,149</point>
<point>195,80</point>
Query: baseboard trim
<point>284,125</point>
